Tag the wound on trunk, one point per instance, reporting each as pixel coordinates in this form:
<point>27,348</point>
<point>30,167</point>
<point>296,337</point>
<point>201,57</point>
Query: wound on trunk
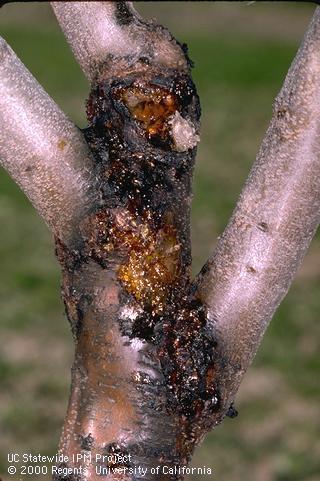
<point>143,130</point>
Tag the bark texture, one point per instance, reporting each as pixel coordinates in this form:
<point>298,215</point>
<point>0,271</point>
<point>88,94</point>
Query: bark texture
<point>158,356</point>
<point>144,376</point>
<point>43,151</point>
<point>274,222</point>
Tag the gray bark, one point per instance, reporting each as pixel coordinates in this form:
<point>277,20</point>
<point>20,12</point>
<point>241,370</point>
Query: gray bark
<point>158,356</point>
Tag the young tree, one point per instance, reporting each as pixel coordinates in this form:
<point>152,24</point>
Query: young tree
<point>159,356</point>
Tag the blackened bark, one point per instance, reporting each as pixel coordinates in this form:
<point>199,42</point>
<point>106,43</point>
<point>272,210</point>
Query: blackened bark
<point>145,365</point>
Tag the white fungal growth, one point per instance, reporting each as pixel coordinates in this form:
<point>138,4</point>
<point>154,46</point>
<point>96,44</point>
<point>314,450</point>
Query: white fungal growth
<point>183,133</point>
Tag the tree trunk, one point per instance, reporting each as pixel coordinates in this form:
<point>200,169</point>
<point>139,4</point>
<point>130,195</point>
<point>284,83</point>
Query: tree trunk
<point>143,379</point>
<point>158,356</point>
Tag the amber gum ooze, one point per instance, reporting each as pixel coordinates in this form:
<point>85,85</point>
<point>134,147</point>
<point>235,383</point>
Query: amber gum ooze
<point>149,253</point>
<point>148,260</point>
<point>152,109</point>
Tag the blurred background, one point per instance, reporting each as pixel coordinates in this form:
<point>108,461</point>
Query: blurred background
<point>241,53</point>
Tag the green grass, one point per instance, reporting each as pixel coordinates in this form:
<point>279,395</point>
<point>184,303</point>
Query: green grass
<point>239,63</point>
<point>275,436</point>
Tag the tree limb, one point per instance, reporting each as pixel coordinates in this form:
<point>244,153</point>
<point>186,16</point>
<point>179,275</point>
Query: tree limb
<point>41,149</point>
<point>109,36</point>
<point>275,219</point>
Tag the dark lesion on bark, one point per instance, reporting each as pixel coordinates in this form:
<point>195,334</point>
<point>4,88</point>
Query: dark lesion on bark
<point>87,442</point>
<point>139,229</point>
<point>124,14</point>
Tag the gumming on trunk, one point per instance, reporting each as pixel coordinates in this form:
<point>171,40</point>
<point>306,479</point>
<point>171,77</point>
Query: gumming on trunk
<point>159,356</point>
